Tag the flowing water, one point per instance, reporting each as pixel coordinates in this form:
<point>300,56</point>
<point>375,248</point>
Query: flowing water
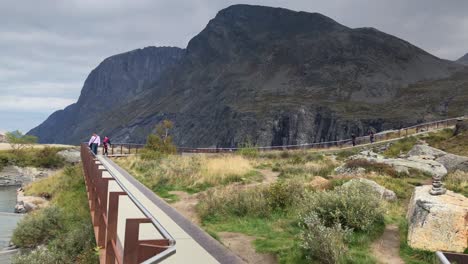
<point>8,220</point>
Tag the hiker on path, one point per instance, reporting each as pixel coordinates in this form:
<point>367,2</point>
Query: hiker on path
<point>105,145</point>
<point>371,136</point>
<point>353,139</point>
<point>94,143</point>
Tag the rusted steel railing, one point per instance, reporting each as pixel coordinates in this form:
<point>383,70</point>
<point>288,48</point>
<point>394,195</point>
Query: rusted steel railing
<point>450,257</point>
<point>125,149</point>
<point>104,207</point>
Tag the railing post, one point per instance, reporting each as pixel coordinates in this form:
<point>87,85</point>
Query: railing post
<point>112,217</point>
<point>132,231</point>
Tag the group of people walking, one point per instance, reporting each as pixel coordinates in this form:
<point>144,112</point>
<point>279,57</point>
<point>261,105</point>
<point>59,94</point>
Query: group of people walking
<point>95,142</point>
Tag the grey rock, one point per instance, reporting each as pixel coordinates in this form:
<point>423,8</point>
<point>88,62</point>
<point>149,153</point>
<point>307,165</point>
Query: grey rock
<point>384,193</point>
<point>70,155</point>
<point>268,75</point>
<point>454,162</point>
<point>461,127</point>
<point>425,150</point>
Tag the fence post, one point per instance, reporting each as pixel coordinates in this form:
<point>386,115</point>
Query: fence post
<point>112,217</point>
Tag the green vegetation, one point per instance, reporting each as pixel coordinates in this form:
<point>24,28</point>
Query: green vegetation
<point>401,146</point>
<point>457,181</point>
<point>446,141</point>
<point>160,143</point>
<point>189,173</point>
<point>18,141</point>
<point>63,231</point>
<point>43,158</point>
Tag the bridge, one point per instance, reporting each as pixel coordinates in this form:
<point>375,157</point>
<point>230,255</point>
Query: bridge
<point>133,225</point>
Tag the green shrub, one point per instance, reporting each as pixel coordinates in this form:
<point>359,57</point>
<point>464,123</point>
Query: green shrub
<point>356,206</point>
<point>401,146</point>
<point>327,244</point>
<point>259,201</point>
<point>48,158</point>
<point>38,228</point>
<point>283,194</point>
<point>248,150</point>
<point>160,143</point>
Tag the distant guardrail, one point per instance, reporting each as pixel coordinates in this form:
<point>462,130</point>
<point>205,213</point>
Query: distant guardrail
<point>125,149</point>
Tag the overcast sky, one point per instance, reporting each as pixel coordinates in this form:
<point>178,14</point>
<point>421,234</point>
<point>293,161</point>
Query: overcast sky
<point>48,47</point>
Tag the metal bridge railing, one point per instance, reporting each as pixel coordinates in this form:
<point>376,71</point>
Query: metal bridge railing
<point>104,207</point>
<point>125,149</point>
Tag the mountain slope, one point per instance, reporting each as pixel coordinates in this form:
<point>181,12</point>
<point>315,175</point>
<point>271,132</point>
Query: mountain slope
<point>463,60</point>
<point>275,76</point>
<point>116,81</point>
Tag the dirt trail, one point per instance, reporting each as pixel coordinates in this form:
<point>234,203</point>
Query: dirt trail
<point>242,246</point>
<point>387,248</point>
<point>187,202</point>
<point>186,205</point>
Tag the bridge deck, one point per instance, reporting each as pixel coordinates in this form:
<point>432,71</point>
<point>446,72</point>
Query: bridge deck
<point>193,245</point>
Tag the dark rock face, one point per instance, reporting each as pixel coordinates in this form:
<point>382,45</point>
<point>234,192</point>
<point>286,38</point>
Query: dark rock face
<point>272,76</point>
<point>463,60</point>
<point>116,81</point>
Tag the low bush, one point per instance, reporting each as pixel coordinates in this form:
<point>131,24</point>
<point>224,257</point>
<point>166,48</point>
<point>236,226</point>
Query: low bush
<point>401,146</point>
<point>41,157</point>
<point>248,150</point>
<point>48,158</point>
<point>259,201</point>
<point>327,244</point>
<point>356,206</point>
<point>38,228</point>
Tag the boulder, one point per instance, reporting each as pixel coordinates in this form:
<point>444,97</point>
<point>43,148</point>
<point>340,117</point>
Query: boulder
<point>437,222</point>
<point>461,127</point>
<point>454,162</point>
<point>424,150</point>
<point>26,204</point>
<point>70,155</point>
<point>343,169</point>
<point>319,183</point>
<point>385,194</point>
<point>423,163</point>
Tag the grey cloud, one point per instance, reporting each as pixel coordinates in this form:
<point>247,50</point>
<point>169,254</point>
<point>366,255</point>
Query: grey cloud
<point>48,47</point>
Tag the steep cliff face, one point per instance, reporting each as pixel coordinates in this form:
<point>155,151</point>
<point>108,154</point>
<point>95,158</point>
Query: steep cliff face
<point>118,80</point>
<point>275,76</point>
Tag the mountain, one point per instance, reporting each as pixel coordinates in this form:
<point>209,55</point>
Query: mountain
<point>463,60</point>
<point>271,76</point>
<point>117,81</point>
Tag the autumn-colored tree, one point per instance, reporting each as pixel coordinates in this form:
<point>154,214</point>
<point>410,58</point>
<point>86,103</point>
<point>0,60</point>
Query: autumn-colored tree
<point>160,143</point>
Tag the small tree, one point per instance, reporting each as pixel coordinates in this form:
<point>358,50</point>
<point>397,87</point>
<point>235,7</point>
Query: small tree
<point>18,141</point>
<point>160,143</point>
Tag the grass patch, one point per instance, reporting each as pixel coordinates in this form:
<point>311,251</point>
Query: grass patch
<point>457,181</point>
<point>401,146</point>
<point>190,173</point>
<point>446,141</point>
<point>64,228</point>
<point>43,158</point>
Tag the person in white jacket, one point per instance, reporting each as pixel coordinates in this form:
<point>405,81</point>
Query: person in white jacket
<point>94,143</point>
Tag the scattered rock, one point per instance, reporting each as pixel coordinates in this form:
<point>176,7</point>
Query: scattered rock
<point>385,194</point>
<point>70,155</point>
<point>319,183</point>
<point>16,176</point>
<point>26,204</point>
<point>438,222</point>
<point>423,163</point>
<point>344,170</point>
